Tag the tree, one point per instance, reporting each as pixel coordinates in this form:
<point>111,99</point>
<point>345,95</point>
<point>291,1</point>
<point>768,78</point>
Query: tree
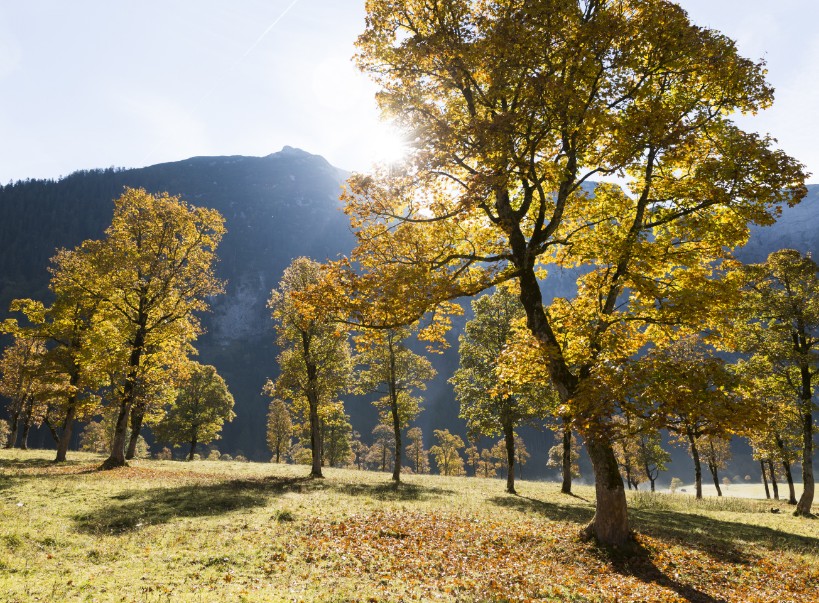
<point>336,434</point>
<point>416,454</point>
<point>382,452</point>
<point>77,357</point>
<point>717,452</point>
<point>314,362</point>
<point>486,464</point>
<point>651,456</point>
<point>279,429</point>
<point>521,454</point>
<point>391,369</point>
<point>447,458</point>
<point>202,406</point>
<point>691,392</point>
<point>360,450</point>
<point>781,332</point>
<point>557,456</point>
<point>22,381</point>
<point>4,433</point>
<point>149,275</point>
<point>490,404</point>
<point>513,107</point>
<point>626,450</point>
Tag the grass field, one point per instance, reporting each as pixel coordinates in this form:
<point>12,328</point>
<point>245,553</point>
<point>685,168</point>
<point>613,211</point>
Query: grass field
<point>164,531</point>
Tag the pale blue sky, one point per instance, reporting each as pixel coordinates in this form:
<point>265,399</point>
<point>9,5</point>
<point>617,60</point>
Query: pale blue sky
<point>95,83</point>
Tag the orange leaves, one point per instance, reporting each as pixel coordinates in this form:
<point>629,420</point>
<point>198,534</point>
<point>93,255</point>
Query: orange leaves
<point>413,555</point>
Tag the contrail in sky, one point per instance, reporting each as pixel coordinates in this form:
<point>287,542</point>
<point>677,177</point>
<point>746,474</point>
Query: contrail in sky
<point>235,64</point>
<point>267,31</point>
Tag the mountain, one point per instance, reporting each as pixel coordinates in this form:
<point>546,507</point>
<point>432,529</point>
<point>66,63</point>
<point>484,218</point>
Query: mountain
<point>276,208</point>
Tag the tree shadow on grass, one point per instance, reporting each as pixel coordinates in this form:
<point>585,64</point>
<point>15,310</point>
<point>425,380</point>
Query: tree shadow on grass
<point>575,513</point>
<point>724,541</point>
<point>134,509</point>
<point>638,564</point>
<point>29,463</point>
<point>391,491</point>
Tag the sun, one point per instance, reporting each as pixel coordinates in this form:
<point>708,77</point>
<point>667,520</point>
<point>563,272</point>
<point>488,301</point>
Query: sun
<point>386,145</point>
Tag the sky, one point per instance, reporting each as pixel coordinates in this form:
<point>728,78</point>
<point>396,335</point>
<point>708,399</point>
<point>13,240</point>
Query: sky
<point>95,83</point>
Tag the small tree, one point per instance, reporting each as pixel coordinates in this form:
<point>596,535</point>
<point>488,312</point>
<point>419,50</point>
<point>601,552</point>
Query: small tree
<point>396,373</point>
<point>694,392</point>
<point>336,434</point>
<point>4,432</point>
<point>417,455</point>
<point>487,467</point>
<point>521,454</point>
<point>382,452</point>
<point>716,452</point>
<point>359,451</point>
<point>556,456</point>
<point>279,429</point>
<point>447,458</point>
<point>490,403</point>
<point>22,382</point>
<point>202,407</point>
<point>315,357</point>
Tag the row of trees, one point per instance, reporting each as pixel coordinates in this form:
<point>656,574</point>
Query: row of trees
<point>118,337</point>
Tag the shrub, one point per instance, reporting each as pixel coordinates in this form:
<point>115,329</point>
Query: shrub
<point>164,455</point>
<point>676,482</point>
<point>225,457</point>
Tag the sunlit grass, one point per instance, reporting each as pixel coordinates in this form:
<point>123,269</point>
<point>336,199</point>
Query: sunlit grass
<point>227,531</point>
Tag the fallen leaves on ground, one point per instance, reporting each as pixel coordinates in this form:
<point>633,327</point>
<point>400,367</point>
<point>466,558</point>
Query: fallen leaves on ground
<point>419,555</point>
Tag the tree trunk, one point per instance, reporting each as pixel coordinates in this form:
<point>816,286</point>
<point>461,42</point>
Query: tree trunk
<point>509,436</point>
<point>714,470</point>
<point>68,422</point>
<point>566,487</point>
<point>193,446</point>
<point>772,474</point>
<point>396,423</point>
<point>14,423</point>
<point>803,507</point>
<point>137,416</point>
<point>52,430</point>
<point>765,479</point>
<point>789,477</point>
<point>315,437</point>
<point>117,456</point>
<point>610,522</point>
<point>26,429</point>
<point>695,454</point>
<point>652,480</point>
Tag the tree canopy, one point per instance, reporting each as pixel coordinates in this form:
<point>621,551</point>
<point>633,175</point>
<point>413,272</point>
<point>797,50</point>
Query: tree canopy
<point>514,108</point>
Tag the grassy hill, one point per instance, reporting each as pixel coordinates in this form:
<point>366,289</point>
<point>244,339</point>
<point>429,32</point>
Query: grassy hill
<point>223,531</point>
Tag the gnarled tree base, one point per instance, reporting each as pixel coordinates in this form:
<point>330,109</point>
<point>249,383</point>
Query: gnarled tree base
<point>112,463</point>
<point>609,526</point>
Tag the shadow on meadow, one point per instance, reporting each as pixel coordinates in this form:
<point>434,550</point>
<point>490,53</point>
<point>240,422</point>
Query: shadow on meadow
<point>574,512</point>
<point>133,509</point>
<point>637,564</point>
<point>723,540</point>
<point>36,463</point>
<point>391,491</point>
